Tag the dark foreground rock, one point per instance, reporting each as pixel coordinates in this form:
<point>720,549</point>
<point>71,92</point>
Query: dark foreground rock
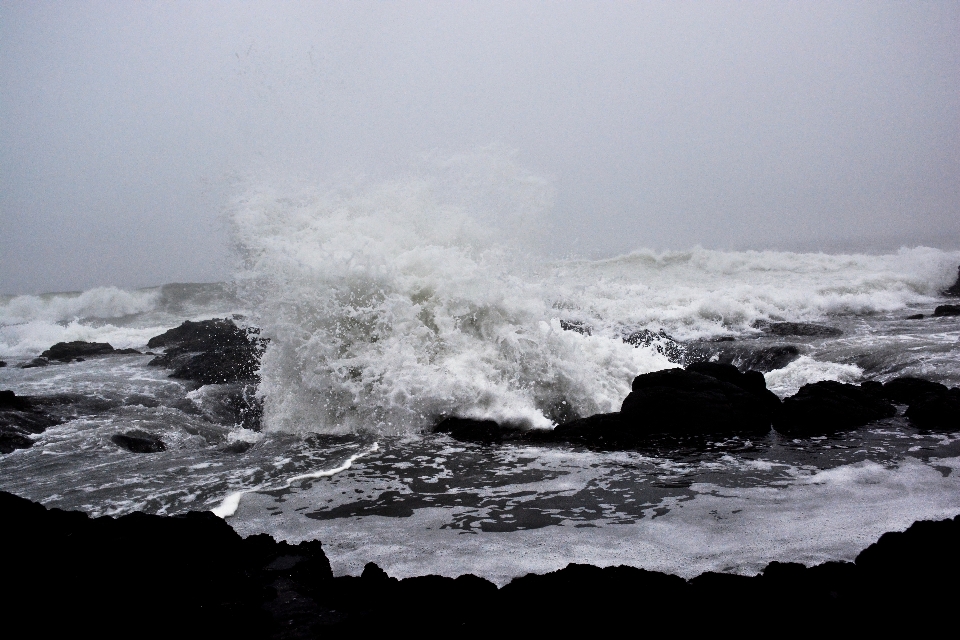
<point>828,406</point>
<point>209,352</point>
<point>67,575</point>
<point>20,417</point>
<point>945,310</point>
<point>931,405</point>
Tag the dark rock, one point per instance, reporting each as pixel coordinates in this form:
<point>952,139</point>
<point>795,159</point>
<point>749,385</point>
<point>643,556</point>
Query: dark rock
<point>672,349</point>
<point>210,352</point>
<point>801,329</point>
<point>240,446</point>
<point>483,431</point>
<point>2,364</point>
<point>916,316</point>
<point>138,441</point>
<point>68,351</point>
<point>936,411</point>
<point>575,325</point>
<point>128,351</point>
<point>827,406</point>
<point>954,290</point>
<point>907,390</point>
<point>36,362</point>
<point>746,356</point>
<point>947,310</point>
<point>192,575</point>
<point>21,417</point>
<point>675,401</point>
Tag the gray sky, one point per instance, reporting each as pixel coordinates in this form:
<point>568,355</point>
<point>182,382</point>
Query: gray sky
<point>812,126</point>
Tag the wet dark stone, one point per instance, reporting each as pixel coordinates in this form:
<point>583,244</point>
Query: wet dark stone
<point>936,411</point>
<point>672,349</point>
<point>68,351</point>
<point>827,406</point>
<point>36,362</point>
<point>685,401</point>
<point>907,390</point>
<point>210,352</point>
<point>916,316</point>
<point>954,290</point>
<point>239,446</point>
<point>483,431</point>
<point>2,363</point>
<point>138,441</point>
<point>748,356</point>
<point>575,325</point>
<point>21,417</point>
<point>947,310</point>
<point>204,580</point>
<point>801,329</point>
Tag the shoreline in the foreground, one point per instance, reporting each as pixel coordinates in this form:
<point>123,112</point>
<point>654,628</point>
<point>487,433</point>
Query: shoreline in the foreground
<point>148,575</point>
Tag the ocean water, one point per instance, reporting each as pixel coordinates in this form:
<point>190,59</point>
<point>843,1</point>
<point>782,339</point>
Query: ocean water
<point>392,306</point>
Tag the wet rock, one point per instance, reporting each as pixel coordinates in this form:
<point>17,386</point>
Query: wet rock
<point>482,431</point>
<point>916,316</point>
<point>936,411</point>
<point>827,406</point>
<point>36,362</point>
<point>672,349</point>
<point>907,390</point>
<point>801,329</point>
<point>20,417</point>
<point>954,290</point>
<point>209,582</point>
<point>947,310</point>
<point>68,351</point>
<point>137,441</point>
<point>707,398</point>
<point>210,352</point>
<point>748,356</point>
<point>2,364</point>
<point>677,400</point>
<point>575,325</point>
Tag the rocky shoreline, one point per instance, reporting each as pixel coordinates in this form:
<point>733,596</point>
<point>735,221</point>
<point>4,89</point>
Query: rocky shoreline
<point>67,573</point>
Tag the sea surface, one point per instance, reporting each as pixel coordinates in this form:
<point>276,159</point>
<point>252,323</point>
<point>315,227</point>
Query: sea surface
<point>383,320</point>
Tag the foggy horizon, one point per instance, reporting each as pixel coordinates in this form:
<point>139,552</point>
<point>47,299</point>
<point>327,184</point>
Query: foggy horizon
<point>127,129</point>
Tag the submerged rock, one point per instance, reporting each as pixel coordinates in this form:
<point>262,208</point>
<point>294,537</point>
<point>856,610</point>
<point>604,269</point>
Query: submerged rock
<point>748,356</point>
<point>801,329</point>
<point>826,406</point>
<point>916,316</point>
<point>947,310</point>
<point>36,362</point>
<point>138,441</point>
<point>672,349</point>
<point>210,352</point>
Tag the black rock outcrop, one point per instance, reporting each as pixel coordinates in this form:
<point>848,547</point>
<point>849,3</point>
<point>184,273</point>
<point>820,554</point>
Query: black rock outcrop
<point>209,352</point>
<point>68,575</point>
<point>827,406</point>
<point>69,351</point>
<point>945,310</point>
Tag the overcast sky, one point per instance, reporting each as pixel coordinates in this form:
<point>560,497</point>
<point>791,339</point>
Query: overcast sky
<point>812,126</point>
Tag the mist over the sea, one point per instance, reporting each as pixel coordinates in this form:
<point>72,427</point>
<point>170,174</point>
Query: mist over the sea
<point>127,129</point>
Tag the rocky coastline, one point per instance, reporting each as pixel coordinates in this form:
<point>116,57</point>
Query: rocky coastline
<point>192,575</point>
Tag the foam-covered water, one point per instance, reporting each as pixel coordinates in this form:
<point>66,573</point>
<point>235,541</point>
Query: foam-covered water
<point>389,306</point>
